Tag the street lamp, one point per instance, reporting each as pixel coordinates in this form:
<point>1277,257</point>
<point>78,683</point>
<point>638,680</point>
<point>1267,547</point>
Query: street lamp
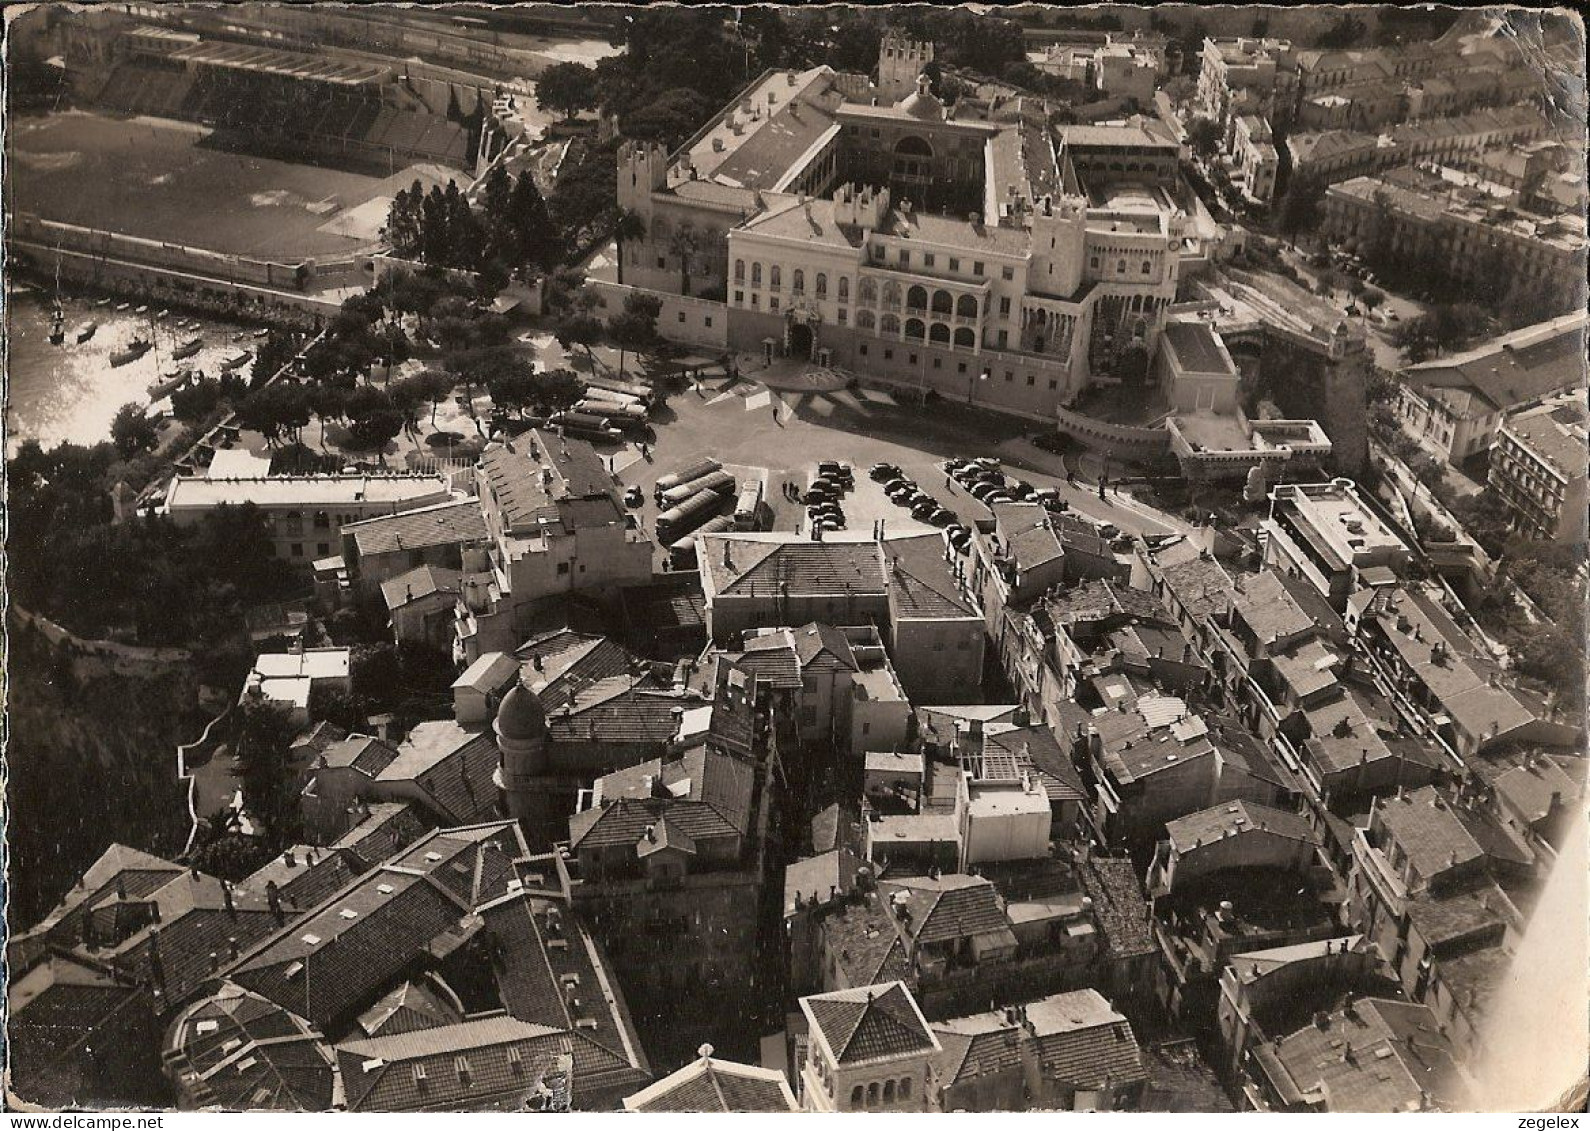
<point>971,383</point>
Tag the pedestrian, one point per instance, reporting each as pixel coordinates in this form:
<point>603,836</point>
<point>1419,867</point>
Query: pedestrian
<point>948,486</point>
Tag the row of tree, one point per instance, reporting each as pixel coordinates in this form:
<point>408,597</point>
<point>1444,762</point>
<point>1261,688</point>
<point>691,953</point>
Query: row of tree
<point>511,232</point>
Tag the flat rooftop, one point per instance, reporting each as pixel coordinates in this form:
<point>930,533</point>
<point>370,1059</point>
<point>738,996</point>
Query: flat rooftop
<point>1197,348</point>
<point>304,490</point>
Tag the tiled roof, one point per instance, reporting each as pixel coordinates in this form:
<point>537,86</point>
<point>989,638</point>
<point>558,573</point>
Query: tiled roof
<point>453,767</point>
<point>53,1008</point>
<point>578,471</point>
<point>822,648</point>
<point>1097,600</point>
<point>864,944</point>
<point>387,828</point>
<point>1516,367</point>
<point>615,709</point>
<point>1082,1041</point>
<point>419,583</point>
<point>1366,1058</point>
<point>1201,584</point>
<point>771,659</point>
<point>1457,917</point>
<point>871,1023</point>
<point>815,877</point>
<point>1425,827</point>
<point>490,1064</point>
<point>570,670</point>
<point>920,582</point>
<point>313,875</point>
<point>626,820</point>
<point>491,673</point>
<point>411,1006</point>
<point>1028,533</point>
<point>812,223</point>
<point>364,753</point>
<point>238,1051</point>
<point>1267,607</point>
<point>1119,905</point>
<point>948,908</point>
<point>1235,818</point>
<point>981,1045</point>
<point>444,524</point>
<point>715,1085</point>
<point>1197,348</point>
<point>1036,747</point>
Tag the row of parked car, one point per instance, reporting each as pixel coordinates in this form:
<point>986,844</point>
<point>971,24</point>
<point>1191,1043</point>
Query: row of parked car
<point>904,492</point>
<point>832,483</point>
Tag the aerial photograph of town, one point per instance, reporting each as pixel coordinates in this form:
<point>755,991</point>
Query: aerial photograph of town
<point>855,558</point>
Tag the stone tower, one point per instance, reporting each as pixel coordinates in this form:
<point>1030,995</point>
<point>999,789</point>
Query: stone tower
<point>900,61</point>
<point>523,764</point>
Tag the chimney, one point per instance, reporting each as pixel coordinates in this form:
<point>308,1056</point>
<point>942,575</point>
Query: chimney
<point>232,948</point>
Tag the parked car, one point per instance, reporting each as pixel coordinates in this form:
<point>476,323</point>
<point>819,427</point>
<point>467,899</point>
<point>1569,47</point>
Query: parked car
<point>1021,490</point>
<point>884,472</point>
<point>943,516</point>
<point>834,469</point>
<point>988,462</point>
<point>997,497</point>
<point>899,489</point>
<point>924,507</point>
<point>981,491</point>
<point>954,465</point>
<point>634,497</point>
<point>960,538</point>
<point>816,494</point>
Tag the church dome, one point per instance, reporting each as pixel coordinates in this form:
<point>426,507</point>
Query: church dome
<point>520,718</point>
<point>921,104</point>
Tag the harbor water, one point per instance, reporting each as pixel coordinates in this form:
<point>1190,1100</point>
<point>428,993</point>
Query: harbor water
<point>71,392</point>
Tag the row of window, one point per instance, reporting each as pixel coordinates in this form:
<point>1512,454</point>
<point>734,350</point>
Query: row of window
<point>888,1092</point>
<point>938,363</point>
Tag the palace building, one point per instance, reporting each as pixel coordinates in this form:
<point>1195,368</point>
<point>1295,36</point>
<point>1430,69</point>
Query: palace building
<point>975,251</point>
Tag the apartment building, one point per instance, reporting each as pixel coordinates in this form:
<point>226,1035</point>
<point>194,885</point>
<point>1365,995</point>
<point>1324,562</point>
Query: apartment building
<point>1538,467</point>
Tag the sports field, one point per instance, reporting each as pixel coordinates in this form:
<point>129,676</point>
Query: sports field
<point>158,180</point>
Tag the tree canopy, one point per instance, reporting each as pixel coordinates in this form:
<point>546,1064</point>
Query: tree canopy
<point>567,88</point>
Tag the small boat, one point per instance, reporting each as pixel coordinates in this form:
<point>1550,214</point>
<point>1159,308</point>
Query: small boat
<point>102,302</point>
<point>162,313</point>
<point>188,348</point>
<point>236,360</point>
<point>260,334</point>
<point>169,383</point>
<point>131,352</point>
<point>141,310</point>
<point>123,307</point>
<point>86,331</point>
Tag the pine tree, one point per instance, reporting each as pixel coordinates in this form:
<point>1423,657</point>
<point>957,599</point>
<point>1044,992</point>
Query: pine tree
<point>534,238</point>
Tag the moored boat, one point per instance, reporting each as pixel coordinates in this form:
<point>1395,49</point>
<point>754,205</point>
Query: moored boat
<point>169,383</point>
<point>131,352</point>
<point>86,331</point>
<point>188,348</point>
<point>236,360</point>
<point>123,307</point>
<point>141,310</point>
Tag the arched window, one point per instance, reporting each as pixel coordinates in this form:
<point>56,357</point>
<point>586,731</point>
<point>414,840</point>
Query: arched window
<point>822,285</point>
<point>798,281</point>
<point>739,270</point>
<point>773,276</point>
<point>891,293</point>
<point>1148,266</point>
<point>965,336</point>
<point>867,290</point>
<point>888,1091</point>
<point>865,320</point>
<point>855,1096</point>
<point>942,302</point>
<point>889,324</point>
<point>756,274</point>
<point>966,306</point>
<point>939,333</point>
<point>872,1094</point>
<point>916,298</point>
<point>914,329</point>
<point>905,1088</point>
<point>913,146</point>
<point>1120,269</point>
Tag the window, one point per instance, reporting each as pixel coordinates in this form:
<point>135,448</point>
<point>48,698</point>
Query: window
<point>905,1088</point>
<point>297,549</point>
<point>772,303</point>
<point>872,1094</point>
<point>322,548</point>
<point>1004,338</point>
<point>563,567</point>
<point>905,258</point>
<point>929,259</point>
<point>322,520</point>
<point>866,728</point>
<point>955,264</point>
<point>862,349</point>
<point>822,286</point>
<point>843,313</point>
<point>798,281</point>
<point>1147,267</point>
<point>1120,266</point>
<point>938,363</point>
<point>913,359</point>
<point>1010,375</point>
<point>756,274</point>
<point>977,268</point>
<point>1007,273</point>
<point>755,302</point>
<point>707,321</point>
<point>774,277</point>
<point>1053,384</point>
<point>888,1091</point>
<point>739,298</point>
<point>888,355</point>
<point>961,368</point>
<point>857,1092</point>
<point>739,270</point>
<point>1093,262</point>
<point>1031,380</point>
<point>681,318</point>
<point>1004,306</point>
<point>844,287</point>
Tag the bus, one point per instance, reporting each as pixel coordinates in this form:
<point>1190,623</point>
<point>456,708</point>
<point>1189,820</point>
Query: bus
<point>585,425</point>
<point>617,413</point>
<point>694,471</point>
<point>682,554</point>
<point>748,507</point>
<point>685,518</point>
<point>720,481</point>
<point>642,393</point>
